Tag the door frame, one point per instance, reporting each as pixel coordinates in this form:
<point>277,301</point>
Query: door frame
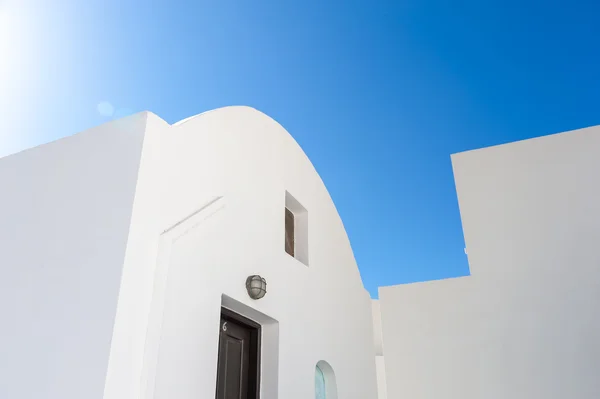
<point>255,348</point>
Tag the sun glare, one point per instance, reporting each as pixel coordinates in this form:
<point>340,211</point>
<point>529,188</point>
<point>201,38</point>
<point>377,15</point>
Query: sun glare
<point>15,61</point>
<point>17,47</point>
<point>6,26</point>
<point>7,48</point>
<point>15,43</point>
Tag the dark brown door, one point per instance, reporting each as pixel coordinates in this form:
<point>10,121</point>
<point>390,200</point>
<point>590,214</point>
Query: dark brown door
<point>238,365</point>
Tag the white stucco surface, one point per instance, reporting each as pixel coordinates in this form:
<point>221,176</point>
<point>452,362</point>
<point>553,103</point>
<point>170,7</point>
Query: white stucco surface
<point>120,245</point>
<point>525,323</point>
<point>145,235</point>
<point>230,170</point>
<point>379,352</point>
<point>65,211</point>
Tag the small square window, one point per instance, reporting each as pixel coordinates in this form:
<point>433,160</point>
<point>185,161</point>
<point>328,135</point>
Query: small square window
<point>296,229</point>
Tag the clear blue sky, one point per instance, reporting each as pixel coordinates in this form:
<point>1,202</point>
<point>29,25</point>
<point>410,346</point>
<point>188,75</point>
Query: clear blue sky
<point>378,94</point>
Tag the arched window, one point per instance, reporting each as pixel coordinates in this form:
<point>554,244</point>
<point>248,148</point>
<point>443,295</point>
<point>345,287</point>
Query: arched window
<point>320,392</point>
<point>325,384</point>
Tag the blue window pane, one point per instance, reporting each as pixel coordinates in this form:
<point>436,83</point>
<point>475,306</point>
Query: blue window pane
<point>320,384</point>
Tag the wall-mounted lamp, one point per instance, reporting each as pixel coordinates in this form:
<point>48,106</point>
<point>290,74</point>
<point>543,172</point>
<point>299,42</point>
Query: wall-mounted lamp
<point>256,286</point>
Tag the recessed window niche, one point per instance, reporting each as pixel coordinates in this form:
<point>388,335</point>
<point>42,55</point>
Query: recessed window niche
<point>296,229</point>
<point>325,383</point>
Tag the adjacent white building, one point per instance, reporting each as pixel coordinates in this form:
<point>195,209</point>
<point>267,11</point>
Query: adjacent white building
<point>126,252</point>
<point>526,322</point>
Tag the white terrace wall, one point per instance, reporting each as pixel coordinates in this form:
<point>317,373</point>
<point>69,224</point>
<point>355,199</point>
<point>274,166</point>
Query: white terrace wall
<point>65,209</point>
<point>525,324</point>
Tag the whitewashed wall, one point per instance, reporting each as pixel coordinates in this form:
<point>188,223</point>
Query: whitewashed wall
<point>65,210</point>
<point>225,174</point>
<point>379,351</point>
<point>121,244</point>
<point>525,324</point>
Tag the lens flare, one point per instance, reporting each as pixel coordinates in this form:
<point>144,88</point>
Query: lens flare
<point>105,109</point>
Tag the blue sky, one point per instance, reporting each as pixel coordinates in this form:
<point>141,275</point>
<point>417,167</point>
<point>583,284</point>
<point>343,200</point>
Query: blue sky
<point>379,94</point>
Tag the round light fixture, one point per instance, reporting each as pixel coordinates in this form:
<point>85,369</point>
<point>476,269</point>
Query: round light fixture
<point>256,286</point>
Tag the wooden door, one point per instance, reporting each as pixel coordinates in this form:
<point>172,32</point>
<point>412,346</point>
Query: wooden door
<point>238,365</point>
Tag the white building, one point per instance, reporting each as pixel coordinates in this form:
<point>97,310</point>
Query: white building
<point>526,323</point>
<point>125,252</point>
